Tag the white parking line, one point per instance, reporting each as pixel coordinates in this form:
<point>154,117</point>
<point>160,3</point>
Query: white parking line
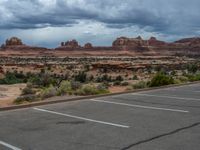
<point>197,91</point>
<point>171,97</point>
<point>140,106</point>
<point>82,118</point>
<point>9,146</point>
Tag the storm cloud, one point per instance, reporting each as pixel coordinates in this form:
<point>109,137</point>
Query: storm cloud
<point>170,19</point>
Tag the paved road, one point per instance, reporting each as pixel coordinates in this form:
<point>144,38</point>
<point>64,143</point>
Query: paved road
<point>165,119</point>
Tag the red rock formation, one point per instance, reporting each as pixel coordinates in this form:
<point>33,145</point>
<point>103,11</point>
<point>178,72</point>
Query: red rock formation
<point>16,44</point>
<point>189,41</point>
<point>154,42</point>
<point>70,44</point>
<point>88,46</point>
<point>14,41</point>
<point>125,43</point>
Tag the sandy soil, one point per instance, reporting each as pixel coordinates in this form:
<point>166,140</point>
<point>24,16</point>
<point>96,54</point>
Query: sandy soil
<point>117,89</point>
<point>76,53</point>
<point>8,93</point>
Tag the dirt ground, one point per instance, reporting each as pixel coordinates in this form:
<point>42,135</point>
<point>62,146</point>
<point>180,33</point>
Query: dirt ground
<point>117,89</point>
<point>8,93</point>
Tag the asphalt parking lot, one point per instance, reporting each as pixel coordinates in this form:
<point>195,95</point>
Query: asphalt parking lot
<point>164,119</point>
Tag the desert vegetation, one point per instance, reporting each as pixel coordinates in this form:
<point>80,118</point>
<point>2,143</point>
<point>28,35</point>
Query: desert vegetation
<point>46,77</point>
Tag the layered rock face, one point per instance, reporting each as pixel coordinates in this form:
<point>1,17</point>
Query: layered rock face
<point>70,44</point>
<point>138,43</point>
<point>14,41</point>
<point>88,46</point>
<point>16,44</point>
<point>129,42</point>
<point>188,46</point>
<point>154,42</point>
<point>189,41</point>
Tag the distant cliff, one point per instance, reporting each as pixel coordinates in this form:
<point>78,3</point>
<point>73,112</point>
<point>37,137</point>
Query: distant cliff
<point>153,46</point>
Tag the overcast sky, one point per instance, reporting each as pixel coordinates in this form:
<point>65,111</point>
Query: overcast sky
<point>48,22</point>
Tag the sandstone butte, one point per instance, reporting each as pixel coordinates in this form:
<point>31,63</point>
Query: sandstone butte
<point>131,45</point>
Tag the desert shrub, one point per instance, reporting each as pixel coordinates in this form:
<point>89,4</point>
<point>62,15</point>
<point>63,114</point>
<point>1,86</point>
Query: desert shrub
<point>107,78</point>
<point>140,85</point>
<point>177,81</point>
<point>42,80</point>
<point>65,88</point>
<point>106,84</point>
<point>119,78</point>
<point>28,90</point>
<point>135,77</point>
<point>183,79</point>
<point>81,77</point>
<point>11,78</point>
<point>193,77</point>
<point>124,84</point>
<point>161,79</point>
<point>98,79</point>
<point>116,83</point>
<point>91,78</point>
<point>26,98</point>
<point>91,90</point>
<point>48,92</point>
<point>102,88</point>
<point>75,85</point>
<point>192,68</point>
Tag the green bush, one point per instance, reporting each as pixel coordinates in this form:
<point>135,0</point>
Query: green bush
<point>160,79</point>
<point>42,80</point>
<point>11,78</point>
<point>140,85</point>
<point>192,68</point>
<point>91,90</point>
<point>183,79</point>
<point>48,92</point>
<point>65,88</point>
<point>124,84</point>
<point>81,77</point>
<point>135,77</point>
<point>28,90</point>
<point>26,98</point>
<point>119,78</point>
<point>116,83</point>
<point>75,85</point>
<point>193,77</point>
<point>102,88</point>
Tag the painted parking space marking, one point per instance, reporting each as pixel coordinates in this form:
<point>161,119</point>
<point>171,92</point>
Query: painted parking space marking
<point>9,146</point>
<point>141,106</point>
<point>170,97</point>
<point>82,118</point>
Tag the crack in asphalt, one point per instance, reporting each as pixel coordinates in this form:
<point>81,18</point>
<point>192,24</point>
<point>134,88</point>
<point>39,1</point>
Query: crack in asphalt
<point>161,136</point>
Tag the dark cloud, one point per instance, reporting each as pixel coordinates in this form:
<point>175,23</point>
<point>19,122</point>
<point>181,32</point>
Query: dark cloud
<point>166,17</point>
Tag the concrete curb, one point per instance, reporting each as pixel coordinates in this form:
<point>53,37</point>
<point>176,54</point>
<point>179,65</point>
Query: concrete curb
<point>46,102</point>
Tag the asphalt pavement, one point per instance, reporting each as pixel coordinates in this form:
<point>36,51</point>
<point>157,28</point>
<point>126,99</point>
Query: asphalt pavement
<point>162,119</point>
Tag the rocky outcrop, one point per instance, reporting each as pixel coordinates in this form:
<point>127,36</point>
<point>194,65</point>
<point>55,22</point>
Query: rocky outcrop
<point>125,43</point>
<point>136,46</point>
<point>16,44</point>
<point>136,43</point>
<point>88,46</point>
<point>154,42</point>
<point>70,44</point>
<point>14,41</point>
<point>189,41</point>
